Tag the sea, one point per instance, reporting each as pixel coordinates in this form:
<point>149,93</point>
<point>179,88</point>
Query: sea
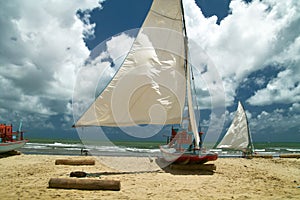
<point>138,148</point>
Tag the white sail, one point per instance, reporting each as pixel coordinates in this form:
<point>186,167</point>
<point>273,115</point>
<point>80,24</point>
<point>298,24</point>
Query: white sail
<point>237,136</point>
<point>192,116</point>
<point>150,86</point>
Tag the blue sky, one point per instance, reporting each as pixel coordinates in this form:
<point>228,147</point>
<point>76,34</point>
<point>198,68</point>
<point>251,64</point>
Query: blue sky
<point>254,46</point>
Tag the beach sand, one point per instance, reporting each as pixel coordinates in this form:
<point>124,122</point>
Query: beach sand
<point>27,177</point>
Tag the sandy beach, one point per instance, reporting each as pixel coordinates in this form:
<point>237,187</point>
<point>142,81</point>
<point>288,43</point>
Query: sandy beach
<point>27,177</point>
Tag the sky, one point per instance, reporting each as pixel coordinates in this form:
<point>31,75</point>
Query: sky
<point>254,47</point>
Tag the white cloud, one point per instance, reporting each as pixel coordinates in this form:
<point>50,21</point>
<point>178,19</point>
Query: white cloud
<point>282,89</point>
<point>295,107</point>
<point>42,46</point>
<point>254,36</point>
<point>118,46</point>
<point>277,121</point>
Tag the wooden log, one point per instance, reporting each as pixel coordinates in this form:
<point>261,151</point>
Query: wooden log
<point>289,155</point>
<point>74,162</point>
<point>84,184</point>
<point>205,167</point>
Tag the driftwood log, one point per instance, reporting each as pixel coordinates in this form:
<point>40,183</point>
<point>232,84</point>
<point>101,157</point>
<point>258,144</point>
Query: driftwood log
<point>289,155</point>
<point>205,167</point>
<point>84,184</point>
<point>74,162</point>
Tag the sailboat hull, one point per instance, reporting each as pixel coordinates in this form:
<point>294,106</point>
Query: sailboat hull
<point>187,157</point>
<point>9,146</point>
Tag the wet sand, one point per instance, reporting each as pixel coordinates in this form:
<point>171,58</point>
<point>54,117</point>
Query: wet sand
<point>27,177</point>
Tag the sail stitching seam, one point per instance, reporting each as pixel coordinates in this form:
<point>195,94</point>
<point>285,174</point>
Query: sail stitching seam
<point>165,16</point>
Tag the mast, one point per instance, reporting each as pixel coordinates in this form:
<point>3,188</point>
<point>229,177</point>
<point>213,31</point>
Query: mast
<point>192,118</point>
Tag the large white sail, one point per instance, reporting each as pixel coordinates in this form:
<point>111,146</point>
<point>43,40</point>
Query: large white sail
<point>237,136</point>
<point>150,86</point>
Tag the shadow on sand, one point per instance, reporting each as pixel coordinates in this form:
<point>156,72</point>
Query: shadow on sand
<point>186,169</point>
<point>10,153</point>
<point>165,167</point>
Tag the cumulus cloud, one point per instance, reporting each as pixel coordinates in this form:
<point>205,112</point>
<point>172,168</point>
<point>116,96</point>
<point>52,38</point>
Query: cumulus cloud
<point>276,122</point>
<point>295,107</point>
<point>254,36</point>
<point>284,88</point>
<point>41,48</point>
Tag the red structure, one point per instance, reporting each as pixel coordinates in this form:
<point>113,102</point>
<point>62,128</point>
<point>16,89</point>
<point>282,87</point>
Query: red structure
<point>7,134</point>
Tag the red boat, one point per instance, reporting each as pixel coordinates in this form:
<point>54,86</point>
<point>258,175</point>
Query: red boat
<point>9,139</point>
<point>181,149</point>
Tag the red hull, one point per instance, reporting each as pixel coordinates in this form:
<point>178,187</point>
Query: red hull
<point>197,157</point>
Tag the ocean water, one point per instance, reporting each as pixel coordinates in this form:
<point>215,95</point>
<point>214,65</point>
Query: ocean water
<point>139,149</point>
<point>117,149</point>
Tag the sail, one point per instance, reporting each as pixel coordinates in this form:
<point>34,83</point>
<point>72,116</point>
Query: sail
<point>150,85</point>
<point>237,136</point>
<point>192,116</point>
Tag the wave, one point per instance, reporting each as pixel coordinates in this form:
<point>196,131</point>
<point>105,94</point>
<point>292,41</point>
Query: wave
<point>293,150</point>
<point>143,150</point>
<point>77,149</point>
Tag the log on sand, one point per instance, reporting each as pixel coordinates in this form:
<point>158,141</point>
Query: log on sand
<point>205,167</point>
<point>289,155</point>
<point>84,184</point>
<point>74,162</point>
